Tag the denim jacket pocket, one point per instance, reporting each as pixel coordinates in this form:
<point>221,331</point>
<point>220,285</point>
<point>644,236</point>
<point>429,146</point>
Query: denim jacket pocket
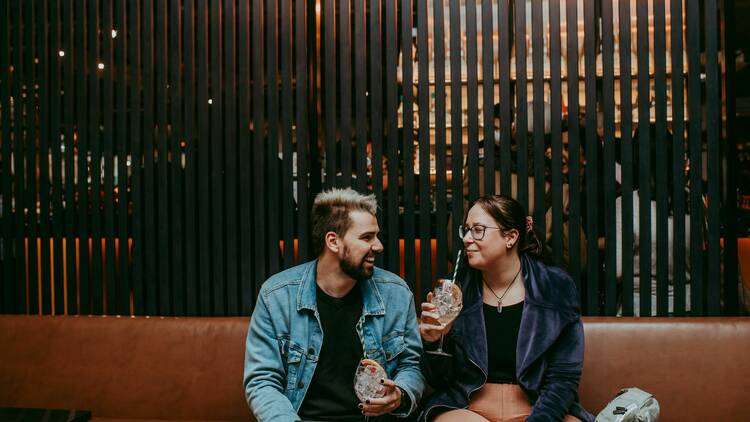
<point>294,362</point>
<point>392,347</point>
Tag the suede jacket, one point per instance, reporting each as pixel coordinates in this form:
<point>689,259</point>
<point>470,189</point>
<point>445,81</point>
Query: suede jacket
<point>549,354</point>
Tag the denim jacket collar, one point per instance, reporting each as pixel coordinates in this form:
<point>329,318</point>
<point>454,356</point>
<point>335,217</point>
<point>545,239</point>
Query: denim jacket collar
<point>372,301</point>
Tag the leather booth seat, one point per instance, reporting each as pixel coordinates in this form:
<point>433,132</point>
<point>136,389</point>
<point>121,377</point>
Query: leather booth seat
<point>191,368</point>
<point>697,368</point>
<point>125,368</point>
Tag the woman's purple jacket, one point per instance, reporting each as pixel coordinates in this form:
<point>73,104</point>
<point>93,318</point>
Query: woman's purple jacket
<point>549,355</point>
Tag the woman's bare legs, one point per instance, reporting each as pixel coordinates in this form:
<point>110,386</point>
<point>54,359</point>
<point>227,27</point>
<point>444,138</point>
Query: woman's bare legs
<point>460,415</point>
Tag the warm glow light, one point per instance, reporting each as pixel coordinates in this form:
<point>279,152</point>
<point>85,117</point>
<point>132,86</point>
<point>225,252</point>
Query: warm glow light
<point>317,8</point>
<point>61,53</point>
<point>210,101</point>
<point>114,33</point>
<point>100,66</point>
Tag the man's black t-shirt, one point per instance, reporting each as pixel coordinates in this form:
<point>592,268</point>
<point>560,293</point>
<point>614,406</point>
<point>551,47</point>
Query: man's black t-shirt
<point>330,396</point>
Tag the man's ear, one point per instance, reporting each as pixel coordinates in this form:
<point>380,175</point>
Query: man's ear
<point>332,241</point>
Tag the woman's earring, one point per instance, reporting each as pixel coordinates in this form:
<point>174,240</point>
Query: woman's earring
<point>510,245</point>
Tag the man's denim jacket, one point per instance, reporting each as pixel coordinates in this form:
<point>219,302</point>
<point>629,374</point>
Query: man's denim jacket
<point>285,338</point>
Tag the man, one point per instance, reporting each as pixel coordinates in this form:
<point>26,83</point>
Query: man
<point>313,323</point>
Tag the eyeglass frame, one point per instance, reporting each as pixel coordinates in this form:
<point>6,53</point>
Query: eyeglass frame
<point>462,231</point>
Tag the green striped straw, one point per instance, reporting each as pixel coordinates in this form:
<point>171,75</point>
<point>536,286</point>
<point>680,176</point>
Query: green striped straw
<point>455,267</point>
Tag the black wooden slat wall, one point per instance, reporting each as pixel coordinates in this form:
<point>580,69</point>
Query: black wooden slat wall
<point>176,173</point>
<point>68,192</point>
<point>695,140</point>
<point>148,201</point>
<point>43,160</point>
<point>216,143</point>
<point>424,275</point>
<point>731,296</point>
<point>160,157</point>
<point>660,164</point>
<point>644,157</point>
<point>272,144</point>
<point>678,154</point>
<point>407,143</point>
<point>576,262</point>
<point>229,182</point>
<point>9,261</point>
<point>376,110</point>
<point>590,206</point>
<point>391,228</point>
<point>713,138</point>
<point>108,140</point>
<point>56,120</point>
<point>120,269</point>
<point>244,110</point>
<point>626,155</point>
<point>258,160</point>
<point>556,124</point>
<point>441,187</point>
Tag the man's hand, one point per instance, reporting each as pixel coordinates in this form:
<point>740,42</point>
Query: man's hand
<point>386,404</point>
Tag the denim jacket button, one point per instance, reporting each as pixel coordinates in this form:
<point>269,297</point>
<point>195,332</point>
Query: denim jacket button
<point>311,351</point>
<point>300,384</point>
<point>388,355</point>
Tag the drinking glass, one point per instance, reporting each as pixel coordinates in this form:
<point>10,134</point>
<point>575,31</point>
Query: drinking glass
<point>367,381</point>
<point>446,296</point>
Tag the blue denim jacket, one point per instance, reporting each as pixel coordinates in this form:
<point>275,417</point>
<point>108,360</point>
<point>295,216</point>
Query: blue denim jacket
<point>285,338</point>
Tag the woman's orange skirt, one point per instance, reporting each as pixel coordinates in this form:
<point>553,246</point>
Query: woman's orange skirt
<point>495,403</point>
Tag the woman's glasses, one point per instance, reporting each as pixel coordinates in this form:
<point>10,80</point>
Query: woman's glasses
<point>477,231</point>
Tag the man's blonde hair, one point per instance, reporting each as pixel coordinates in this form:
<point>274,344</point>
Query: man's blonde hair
<point>330,213</point>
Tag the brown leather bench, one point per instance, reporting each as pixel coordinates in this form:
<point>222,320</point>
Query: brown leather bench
<point>191,368</point>
<point>125,368</point>
<point>698,368</point>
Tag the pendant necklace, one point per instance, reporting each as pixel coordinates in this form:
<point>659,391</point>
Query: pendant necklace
<point>500,298</point>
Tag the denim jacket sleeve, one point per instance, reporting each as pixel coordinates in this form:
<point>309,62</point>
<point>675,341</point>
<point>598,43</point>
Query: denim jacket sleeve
<point>265,376</point>
<point>561,377</point>
<point>408,373</point>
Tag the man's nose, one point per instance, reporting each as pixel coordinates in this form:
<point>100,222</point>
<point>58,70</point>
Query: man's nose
<point>377,247</point>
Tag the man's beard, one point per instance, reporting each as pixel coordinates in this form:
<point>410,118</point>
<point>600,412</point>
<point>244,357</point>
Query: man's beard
<point>355,270</point>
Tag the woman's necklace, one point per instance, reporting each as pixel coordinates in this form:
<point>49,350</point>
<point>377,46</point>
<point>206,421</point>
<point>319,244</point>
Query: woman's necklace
<point>500,298</point>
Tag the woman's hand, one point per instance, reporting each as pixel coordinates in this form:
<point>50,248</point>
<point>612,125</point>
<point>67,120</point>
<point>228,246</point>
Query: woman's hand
<point>429,327</point>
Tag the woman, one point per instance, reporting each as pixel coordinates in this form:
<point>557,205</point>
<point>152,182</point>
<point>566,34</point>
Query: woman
<point>517,345</point>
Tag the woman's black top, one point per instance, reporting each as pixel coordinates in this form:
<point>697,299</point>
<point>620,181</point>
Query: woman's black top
<point>502,338</point>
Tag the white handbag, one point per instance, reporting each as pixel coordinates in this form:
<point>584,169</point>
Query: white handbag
<point>630,405</point>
